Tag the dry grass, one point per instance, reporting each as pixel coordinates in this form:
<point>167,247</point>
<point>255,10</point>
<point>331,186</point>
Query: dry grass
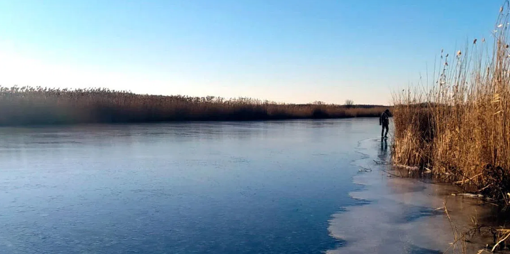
<point>459,127</point>
<point>37,105</point>
<point>463,236</point>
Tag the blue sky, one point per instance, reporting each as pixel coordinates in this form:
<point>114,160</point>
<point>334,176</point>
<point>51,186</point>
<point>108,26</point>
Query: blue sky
<point>283,50</point>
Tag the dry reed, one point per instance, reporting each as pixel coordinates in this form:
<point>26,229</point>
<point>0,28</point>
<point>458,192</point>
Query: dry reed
<point>38,106</point>
<point>459,127</point>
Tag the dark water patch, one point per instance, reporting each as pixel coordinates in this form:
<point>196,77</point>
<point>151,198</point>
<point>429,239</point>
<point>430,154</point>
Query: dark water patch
<point>413,249</point>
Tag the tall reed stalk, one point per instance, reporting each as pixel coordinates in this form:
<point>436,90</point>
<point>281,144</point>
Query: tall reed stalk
<point>459,127</point>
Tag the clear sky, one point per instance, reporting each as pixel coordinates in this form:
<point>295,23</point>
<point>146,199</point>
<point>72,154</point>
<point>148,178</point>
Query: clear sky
<point>283,50</point>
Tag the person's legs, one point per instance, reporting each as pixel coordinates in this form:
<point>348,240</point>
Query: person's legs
<point>387,129</point>
<point>382,131</point>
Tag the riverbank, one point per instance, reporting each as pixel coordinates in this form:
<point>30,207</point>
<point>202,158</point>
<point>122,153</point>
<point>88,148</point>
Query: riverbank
<point>407,215</point>
<point>458,129</point>
<point>45,106</point>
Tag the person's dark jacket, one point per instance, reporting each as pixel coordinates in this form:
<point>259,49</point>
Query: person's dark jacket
<point>384,120</point>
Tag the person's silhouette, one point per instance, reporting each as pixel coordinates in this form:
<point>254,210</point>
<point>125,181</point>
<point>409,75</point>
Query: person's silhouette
<point>384,120</point>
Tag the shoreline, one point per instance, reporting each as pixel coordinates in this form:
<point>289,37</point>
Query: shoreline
<point>47,106</point>
<point>406,215</point>
<point>178,122</point>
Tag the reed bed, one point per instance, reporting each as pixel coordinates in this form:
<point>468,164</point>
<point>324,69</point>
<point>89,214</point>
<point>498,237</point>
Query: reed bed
<point>458,128</point>
<point>41,106</point>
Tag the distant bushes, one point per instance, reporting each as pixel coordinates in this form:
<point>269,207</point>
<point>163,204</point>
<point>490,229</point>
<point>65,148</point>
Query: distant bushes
<point>41,106</point>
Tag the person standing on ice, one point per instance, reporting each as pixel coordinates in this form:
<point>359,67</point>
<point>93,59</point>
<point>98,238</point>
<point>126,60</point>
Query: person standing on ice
<point>384,120</point>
